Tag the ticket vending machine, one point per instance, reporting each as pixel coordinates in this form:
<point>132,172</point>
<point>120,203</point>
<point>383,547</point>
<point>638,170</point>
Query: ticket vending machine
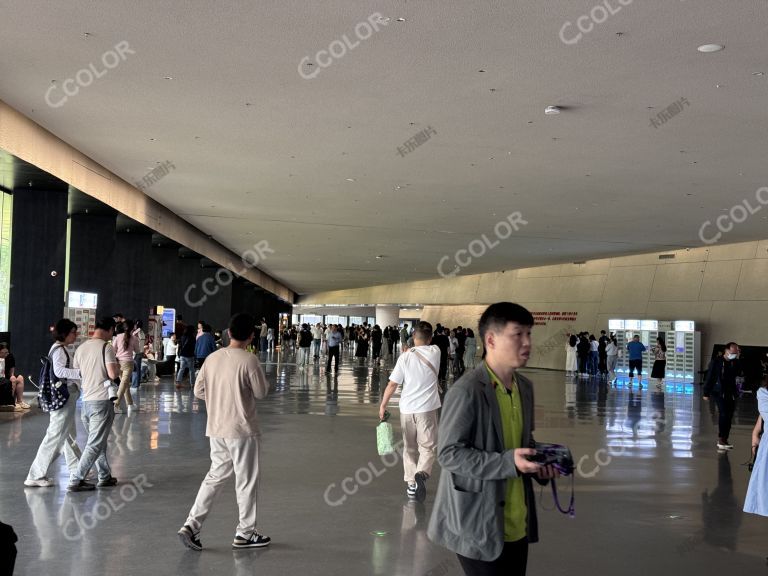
<point>81,309</point>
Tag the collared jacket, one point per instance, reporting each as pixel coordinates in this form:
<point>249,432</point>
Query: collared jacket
<point>468,516</point>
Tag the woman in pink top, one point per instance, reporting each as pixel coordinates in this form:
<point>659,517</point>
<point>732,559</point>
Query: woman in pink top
<point>126,345</point>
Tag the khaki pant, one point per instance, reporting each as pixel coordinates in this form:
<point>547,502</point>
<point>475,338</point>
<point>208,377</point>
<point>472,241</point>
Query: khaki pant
<point>230,455</point>
<point>126,369</point>
<point>419,443</point>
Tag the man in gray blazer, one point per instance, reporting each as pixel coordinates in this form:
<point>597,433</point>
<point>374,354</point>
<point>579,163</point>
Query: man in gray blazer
<point>485,510</point>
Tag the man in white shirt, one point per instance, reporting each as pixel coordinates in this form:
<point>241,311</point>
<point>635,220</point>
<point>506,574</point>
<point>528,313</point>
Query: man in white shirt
<point>317,336</point>
<point>416,371</point>
<point>98,367</point>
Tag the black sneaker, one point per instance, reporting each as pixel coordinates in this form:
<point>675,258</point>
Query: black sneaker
<point>111,481</point>
<point>255,541</point>
<point>421,486</point>
<point>80,486</point>
<point>189,538</point>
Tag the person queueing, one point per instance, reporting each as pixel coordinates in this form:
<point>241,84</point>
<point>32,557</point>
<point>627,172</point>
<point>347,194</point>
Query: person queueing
<point>416,371</point>
<point>98,366</point>
<point>231,381</point>
<point>756,501</point>
<point>635,351</point>
<point>61,433</point>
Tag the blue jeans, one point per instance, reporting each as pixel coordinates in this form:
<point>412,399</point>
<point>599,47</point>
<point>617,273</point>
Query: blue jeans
<point>263,343</point>
<point>97,417</point>
<point>136,376</point>
<point>188,363</point>
<point>316,347</point>
<point>592,362</point>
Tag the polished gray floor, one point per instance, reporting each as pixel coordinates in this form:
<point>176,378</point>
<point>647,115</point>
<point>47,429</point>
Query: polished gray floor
<point>652,493</point>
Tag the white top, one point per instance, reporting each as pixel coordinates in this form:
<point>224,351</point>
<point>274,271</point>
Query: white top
<point>90,357</point>
<point>611,349</point>
<point>418,381</point>
<point>594,345</point>
<point>61,366</point>
<point>317,332</point>
<point>170,348</point>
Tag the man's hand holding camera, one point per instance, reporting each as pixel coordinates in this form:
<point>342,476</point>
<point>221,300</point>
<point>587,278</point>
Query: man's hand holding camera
<point>526,466</point>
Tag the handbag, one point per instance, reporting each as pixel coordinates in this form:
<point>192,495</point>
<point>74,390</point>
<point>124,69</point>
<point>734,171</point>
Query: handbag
<point>385,436</point>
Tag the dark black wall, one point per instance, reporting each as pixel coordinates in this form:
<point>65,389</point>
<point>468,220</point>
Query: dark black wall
<point>254,301</point>
<point>91,259</point>
<point>132,268</point>
<point>178,283</point>
<point>38,248</point>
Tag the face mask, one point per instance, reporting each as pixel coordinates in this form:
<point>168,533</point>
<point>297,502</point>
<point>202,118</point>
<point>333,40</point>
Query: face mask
<point>730,356</point>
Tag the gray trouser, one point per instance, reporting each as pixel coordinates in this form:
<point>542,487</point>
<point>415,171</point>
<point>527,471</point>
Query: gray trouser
<point>60,435</point>
<point>238,456</point>
<point>97,416</point>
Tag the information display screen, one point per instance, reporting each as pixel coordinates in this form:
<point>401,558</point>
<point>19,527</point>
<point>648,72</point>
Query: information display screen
<point>649,325</point>
<point>632,324</point>
<point>615,324</point>
<point>82,300</point>
<point>685,326</point>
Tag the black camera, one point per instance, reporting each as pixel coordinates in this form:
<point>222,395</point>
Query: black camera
<point>553,455</point>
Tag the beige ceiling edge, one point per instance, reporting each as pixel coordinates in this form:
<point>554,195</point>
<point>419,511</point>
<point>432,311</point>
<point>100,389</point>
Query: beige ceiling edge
<point>525,283</point>
<point>32,143</point>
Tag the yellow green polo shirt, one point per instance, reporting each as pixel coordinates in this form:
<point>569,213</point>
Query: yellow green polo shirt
<point>510,405</point>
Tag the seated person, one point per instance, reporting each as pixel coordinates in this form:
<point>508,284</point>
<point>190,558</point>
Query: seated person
<point>11,385</point>
<point>149,365</point>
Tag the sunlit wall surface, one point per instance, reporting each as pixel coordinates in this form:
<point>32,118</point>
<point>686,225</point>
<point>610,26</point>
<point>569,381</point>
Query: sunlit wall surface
<point>6,219</point>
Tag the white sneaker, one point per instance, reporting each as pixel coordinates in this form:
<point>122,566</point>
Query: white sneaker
<point>41,483</point>
<point>132,409</point>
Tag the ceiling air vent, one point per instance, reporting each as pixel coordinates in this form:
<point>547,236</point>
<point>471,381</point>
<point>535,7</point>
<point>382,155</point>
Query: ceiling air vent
<point>581,262</point>
<point>666,256</point>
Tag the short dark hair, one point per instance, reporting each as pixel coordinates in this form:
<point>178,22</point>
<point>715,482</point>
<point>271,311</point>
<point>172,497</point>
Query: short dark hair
<point>105,323</point>
<point>63,328</point>
<point>498,315</point>
<point>728,346</point>
<point>423,331</point>
<point>3,345</point>
<point>241,326</point>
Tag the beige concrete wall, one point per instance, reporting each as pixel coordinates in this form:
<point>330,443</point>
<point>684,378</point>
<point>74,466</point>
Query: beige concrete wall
<point>723,288</point>
<point>24,139</point>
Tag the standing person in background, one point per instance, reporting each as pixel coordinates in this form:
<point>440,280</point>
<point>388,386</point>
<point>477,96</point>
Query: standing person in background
<point>612,357</point>
<point>305,342</point>
<point>126,346</point>
<point>170,351</point>
<point>635,350</point>
<point>721,385</point>
<point>594,355</point>
<point>361,350</point>
<point>187,356</point>
<point>270,340</point>
<point>376,338</point>
<point>231,382</point>
<point>571,362</point>
<point>334,342</point>
<point>416,372</point>
<point>471,350</point>
<point>142,338</point>
<point>441,341</point>
<point>204,346</point>
<point>602,355</point>
<point>62,432</point>
<point>582,353</point>
<point>404,334</point>
<point>317,337</point>
<point>263,334</point>
<point>461,337</point>
<point>659,362</point>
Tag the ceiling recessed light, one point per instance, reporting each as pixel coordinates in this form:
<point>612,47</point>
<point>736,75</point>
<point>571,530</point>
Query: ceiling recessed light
<point>758,73</point>
<point>552,110</point>
<point>707,48</point>
<point>350,179</point>
<point>481,70</point>
<point>380,256</point>
<point>168,78</point>
<point>401,19</point>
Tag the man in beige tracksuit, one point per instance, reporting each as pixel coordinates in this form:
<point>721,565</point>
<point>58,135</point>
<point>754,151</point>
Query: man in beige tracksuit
<point>231,381</point>
<point>416,370</point>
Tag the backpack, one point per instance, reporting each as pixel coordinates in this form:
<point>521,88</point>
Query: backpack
<point>52,392</point>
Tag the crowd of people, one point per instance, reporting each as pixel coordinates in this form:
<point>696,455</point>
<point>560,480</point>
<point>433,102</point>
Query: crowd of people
<point>588,356</point>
